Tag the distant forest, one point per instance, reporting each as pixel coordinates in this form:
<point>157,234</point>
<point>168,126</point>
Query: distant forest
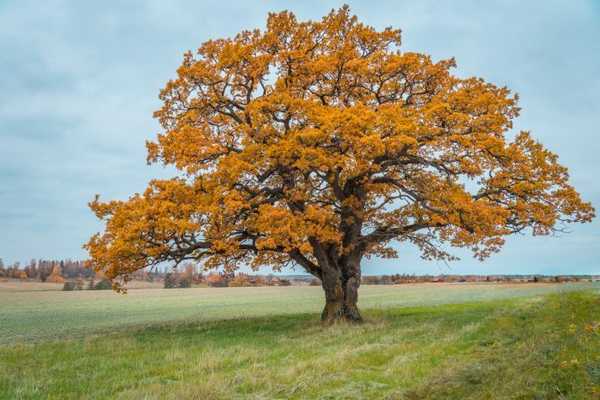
<point>46,270</point>
<point>75,273</point>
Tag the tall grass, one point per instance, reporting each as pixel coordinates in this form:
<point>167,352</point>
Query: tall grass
<point>452,347</point>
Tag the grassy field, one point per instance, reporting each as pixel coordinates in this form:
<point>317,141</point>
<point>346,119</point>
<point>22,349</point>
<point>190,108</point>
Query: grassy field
<point>38,314</point>
<point>419,342</point>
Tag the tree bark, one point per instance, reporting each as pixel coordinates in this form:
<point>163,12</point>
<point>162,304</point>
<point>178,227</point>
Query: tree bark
<point>341,295</point>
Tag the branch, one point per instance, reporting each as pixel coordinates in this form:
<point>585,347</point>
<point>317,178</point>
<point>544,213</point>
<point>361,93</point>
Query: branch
<point>308,265</point>
<point>386,233</point>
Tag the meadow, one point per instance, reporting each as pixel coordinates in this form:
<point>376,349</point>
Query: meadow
<point>428,341</point>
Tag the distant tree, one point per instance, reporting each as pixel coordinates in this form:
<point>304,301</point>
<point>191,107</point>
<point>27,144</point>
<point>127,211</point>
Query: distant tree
<point>187,277</point>
<point>31,270</point>
<point>260,281</point>
<point>185,282</point>
<point>149,276</point>
<point>170,280</point>
<point>199,278</point>
<point>44,269</point>
<point>216,280</point>
<point>320,143</point>
<point>240,280</point>
<point>56,275</point>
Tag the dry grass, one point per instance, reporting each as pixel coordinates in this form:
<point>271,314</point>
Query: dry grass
<point>417,344</point>
<point>15,285</point>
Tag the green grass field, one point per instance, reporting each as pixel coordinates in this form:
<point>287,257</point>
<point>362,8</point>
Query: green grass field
<point>419,342</point>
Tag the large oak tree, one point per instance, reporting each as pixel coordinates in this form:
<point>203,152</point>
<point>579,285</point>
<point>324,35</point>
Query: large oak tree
<point>321,143</point>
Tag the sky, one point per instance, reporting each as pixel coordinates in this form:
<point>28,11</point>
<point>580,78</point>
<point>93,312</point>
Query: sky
<point>79,82</point>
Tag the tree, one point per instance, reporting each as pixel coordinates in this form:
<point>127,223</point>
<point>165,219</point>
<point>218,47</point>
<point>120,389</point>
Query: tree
<point>188,275</point>
<point>217,280</point>
<point>321,143</point>
<point>170,280</point>
<point>240,280</point>
<point>31,270</point>
<point>56,276</point>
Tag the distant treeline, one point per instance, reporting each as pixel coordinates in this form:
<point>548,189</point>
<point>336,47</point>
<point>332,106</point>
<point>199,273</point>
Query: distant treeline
<point>190,276</point>
<point>77,275</point>
<point>46,270</point>
<point>406,278</point>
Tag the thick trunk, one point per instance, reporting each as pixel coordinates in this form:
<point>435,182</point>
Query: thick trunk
<point>341,295</point>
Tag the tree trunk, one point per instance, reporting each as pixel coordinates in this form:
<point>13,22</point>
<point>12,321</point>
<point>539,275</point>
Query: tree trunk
<point>341,296</point>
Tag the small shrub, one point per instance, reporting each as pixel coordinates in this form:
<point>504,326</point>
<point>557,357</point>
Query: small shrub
<point>104,284</point>
<point>240,280</point>
<point>174,280</point>
<point>170,281</point>
<point>69,286</point>
<point>217,280</point>
<point>185,282</point>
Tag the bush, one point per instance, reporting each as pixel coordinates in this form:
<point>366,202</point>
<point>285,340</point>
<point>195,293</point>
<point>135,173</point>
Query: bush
<point>104,284</point>
<point>74,285</point>
<point>69,286</point>
<point>55,279</point>
<point>170,280</point>
<point>185,282</point>
<point>240,280</point>
<point>173,280</point>
<point>217,280</point>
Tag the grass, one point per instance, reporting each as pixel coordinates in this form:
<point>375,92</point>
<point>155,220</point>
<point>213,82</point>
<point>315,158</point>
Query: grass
<point>42,315</point>
<point>419,342</point>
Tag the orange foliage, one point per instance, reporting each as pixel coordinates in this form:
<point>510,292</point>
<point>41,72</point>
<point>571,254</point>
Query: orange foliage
<point>321,142</point>
<point>239,280</point>
<point>55,276</point>
<point>215,279</point>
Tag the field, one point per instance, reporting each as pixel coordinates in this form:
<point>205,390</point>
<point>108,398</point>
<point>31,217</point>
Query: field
<point>429,341</point>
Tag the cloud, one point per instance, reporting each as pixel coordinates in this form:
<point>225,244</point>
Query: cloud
<point>80,82</point>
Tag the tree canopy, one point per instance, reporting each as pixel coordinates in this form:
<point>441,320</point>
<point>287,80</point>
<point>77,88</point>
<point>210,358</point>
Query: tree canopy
<point>317,143</point>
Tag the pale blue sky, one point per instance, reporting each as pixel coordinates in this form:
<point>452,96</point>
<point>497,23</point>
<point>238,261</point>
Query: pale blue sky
<point>79,82</point>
